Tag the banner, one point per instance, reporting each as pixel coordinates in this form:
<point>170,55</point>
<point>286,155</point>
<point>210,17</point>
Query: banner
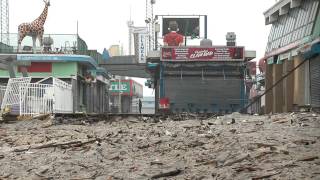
<point>141,45</point>
<point>219,53</point>
<point>142,48</point>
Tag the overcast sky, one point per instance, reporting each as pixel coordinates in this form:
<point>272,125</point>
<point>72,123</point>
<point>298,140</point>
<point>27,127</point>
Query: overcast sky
<point>103,22</point>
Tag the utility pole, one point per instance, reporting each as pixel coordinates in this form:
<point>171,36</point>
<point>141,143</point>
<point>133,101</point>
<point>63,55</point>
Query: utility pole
<point>130,24</point>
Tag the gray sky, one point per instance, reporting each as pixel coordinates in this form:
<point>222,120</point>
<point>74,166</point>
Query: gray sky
<point>103,22</point>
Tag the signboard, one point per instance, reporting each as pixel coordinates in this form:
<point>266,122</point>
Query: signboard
<point>141,46</point>
<point>215,53</point>
<point>124,87</point>
<point>127,88</point>
<point>187,26</point>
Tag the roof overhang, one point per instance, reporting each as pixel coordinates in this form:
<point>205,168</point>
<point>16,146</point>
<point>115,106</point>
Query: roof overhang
<point>279,9</point>
<point>82,59</point>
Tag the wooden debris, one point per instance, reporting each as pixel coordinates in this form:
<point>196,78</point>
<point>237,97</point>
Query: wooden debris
<point>265,176</point>
<point>211,162</point>
<point>263,154</point>
<point>167,174</point>
<point>69,144</point>
<point>304,142</point>
<point>308,158</point>
<point>246,168</point>
<point>140,150</point>
<point>5,176</point>
<point>264,145</point>
<point>156,163</point>
<point>241,158</point>
<point>280,120</point>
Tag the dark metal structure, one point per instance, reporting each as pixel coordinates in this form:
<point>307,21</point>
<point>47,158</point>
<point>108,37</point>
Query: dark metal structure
<point>125,66</point>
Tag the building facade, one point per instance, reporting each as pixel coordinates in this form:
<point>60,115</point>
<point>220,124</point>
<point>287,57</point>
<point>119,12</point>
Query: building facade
<point>67,58</point>
<point>292,56</point>
<point>123,93</point>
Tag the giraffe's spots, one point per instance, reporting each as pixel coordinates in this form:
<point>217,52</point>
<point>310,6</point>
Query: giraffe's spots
<point>33,28</point>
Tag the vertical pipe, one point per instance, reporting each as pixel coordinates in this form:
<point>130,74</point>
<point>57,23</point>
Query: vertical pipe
<point>205,27</point>
<point>156,41</point>
<point>162,93</point>
<point>20,102</point>
<point>242,93</point>
<point>119,105</point>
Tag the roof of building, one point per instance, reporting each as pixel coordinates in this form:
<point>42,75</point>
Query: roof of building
<point>281,8</point>
<point>87,60</point>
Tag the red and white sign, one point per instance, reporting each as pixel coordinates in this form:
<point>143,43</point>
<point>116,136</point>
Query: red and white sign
<point>219,53</point>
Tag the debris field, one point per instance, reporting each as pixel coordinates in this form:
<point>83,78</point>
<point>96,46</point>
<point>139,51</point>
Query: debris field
<point>235,146</point>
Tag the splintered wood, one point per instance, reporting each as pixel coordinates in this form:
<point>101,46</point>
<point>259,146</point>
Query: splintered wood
<point>183,146</point>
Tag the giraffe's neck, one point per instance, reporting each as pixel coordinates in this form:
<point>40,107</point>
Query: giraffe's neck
<point>42,18</point>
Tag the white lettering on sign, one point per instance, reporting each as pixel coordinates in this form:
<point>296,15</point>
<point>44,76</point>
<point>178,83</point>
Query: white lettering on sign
<point>202,53</point>
<point>115,87</point>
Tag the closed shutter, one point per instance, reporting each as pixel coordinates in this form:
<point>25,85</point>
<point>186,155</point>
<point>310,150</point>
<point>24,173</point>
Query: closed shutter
<point>193,94</point>
<point>315,81</point>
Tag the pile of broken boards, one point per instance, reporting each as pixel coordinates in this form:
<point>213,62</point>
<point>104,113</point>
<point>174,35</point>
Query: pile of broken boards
<point>282,146</point>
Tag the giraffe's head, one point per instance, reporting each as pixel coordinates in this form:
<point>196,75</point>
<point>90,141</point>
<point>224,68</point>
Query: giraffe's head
<point>47,2</point>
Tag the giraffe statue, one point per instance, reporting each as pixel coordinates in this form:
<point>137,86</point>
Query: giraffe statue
<point>34,29</point>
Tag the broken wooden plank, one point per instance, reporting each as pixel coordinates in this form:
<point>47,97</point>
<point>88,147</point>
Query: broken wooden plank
<point>265,176</point>
<point>308,158</point>
<point>264,145</point>
<point>304,142</point>
<point>246,168</point>
<point>167,174</point>
<point>241,158</point>
<point>210,162</point>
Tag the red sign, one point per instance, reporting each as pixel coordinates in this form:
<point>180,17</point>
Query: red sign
<point>220,53</point>
<point>38,67</point>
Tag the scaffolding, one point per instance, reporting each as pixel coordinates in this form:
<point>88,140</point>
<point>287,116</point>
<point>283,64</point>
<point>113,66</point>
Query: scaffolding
<point>4,21</point>
<point>150,22</point>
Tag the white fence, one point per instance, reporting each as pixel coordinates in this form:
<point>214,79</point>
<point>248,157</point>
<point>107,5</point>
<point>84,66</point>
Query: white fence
<point>38,99</point>
<point>12,93</point>
<point>2,92</point>
<point>63,97</point>
<point>34,98</point>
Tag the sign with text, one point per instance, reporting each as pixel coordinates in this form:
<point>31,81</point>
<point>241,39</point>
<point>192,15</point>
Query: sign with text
<point>141,47</point>
<point>124,87</point>
<point>215,53</point>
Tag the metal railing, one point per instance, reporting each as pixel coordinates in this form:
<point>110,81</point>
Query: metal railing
<point>63,97</point>
<point>30,99</point>
<point>38,99</point>
<point>2,92</point>
<point>16,87</point>
<point>52,43</point>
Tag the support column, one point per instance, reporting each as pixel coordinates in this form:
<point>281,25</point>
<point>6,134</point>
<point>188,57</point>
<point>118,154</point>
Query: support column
<point>269,95</point>
<point>278,90</point>
<point>156,95</point>
<point>299,90</point>
<point>288,86</point>
<point>75,95</point>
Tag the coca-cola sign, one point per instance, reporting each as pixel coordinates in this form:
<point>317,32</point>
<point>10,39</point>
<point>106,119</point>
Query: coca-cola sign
<point>218,53</point>
<point>207,53</point>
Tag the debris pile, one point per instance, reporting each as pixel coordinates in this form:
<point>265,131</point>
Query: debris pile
<point>283,146</point>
